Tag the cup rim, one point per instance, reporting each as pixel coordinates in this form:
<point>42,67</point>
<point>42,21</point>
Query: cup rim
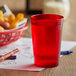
<point>60,16</point>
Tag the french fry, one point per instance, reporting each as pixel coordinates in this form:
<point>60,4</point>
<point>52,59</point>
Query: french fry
<point>11,18</point>
<point>20,16</point>
<point>1,13</point>
<point>5,19</point>
<point>13,24</point>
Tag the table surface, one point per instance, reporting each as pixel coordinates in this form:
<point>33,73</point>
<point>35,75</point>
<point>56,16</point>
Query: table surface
<point>67,66</point>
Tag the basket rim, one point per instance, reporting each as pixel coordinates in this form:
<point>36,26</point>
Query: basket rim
<point>18,29</point>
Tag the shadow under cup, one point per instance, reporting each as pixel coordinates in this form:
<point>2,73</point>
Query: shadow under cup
<point>46,37</point>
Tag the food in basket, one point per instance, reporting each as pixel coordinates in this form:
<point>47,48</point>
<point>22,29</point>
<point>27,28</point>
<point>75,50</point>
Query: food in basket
<point>14,20</point>
<point>4,24</point>
<point>5,19</point>
<point>11,18</point>
<point>1,29</point>
<point>11,21</point>
<point>1,13</point>
<point>20,17</point>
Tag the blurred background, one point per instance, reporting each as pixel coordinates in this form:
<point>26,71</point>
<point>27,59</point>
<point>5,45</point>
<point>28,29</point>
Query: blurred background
<point>61,7</point>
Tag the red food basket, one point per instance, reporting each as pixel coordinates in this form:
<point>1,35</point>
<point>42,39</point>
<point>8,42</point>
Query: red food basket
<point>8,37</point>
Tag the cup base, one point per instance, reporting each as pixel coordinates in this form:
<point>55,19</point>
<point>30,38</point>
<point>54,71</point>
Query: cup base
<point>47,66</point>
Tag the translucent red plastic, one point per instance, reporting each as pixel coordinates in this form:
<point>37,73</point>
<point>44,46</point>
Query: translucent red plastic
<point>46,37</point>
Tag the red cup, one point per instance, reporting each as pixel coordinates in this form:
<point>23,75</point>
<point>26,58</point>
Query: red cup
<point>46,37</point>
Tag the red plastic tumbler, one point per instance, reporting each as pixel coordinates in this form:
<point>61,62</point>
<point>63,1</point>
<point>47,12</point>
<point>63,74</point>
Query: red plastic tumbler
<point>46,37</point>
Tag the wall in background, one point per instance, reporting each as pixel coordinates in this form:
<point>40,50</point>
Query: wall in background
<point>20,5</point>
<point>17,5</point>
<point>36,4</point>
